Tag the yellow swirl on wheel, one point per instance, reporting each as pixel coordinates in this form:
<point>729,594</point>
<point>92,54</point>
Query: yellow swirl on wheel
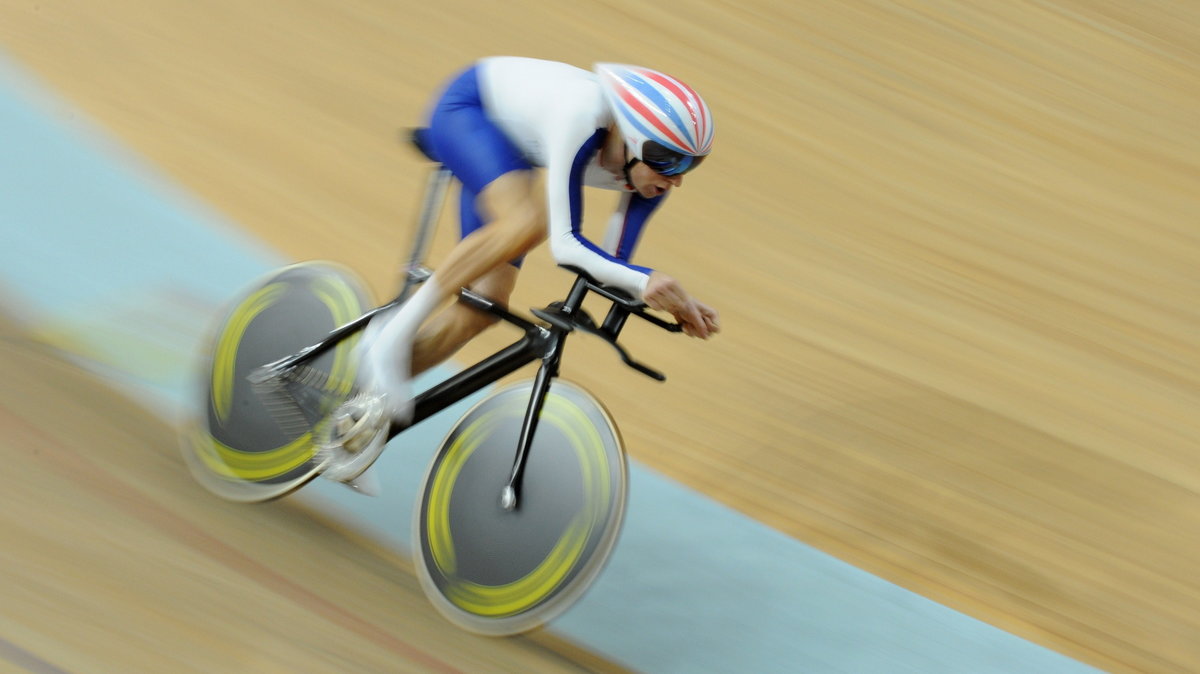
<point>236,464</point>
<point>227,462</point>
<point>343,305</point>
<point>225,358</point>
<point>534,587</point>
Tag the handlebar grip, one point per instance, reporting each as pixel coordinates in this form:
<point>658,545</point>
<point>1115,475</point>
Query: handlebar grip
<point>665,325</point>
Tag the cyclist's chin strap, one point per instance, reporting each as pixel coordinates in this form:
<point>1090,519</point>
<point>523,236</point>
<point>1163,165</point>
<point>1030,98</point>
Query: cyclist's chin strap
<point>628,165</point>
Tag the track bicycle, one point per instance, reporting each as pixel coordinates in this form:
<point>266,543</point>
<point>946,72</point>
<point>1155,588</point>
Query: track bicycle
<point>521,505</point>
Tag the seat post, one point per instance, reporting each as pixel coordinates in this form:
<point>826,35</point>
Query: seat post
<point>431,207</point>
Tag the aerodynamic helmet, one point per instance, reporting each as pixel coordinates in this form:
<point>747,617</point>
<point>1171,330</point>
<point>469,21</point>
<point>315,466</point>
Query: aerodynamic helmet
<point>665,123</point>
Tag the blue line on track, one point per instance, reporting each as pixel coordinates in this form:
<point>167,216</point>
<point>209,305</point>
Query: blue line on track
<point>26,661</point>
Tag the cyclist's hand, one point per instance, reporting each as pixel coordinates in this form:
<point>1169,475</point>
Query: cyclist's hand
<point>712,321</point>
<point>665,294</point>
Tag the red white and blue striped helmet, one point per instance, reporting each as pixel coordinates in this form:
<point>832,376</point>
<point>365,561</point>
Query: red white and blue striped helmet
<point>664,121</point>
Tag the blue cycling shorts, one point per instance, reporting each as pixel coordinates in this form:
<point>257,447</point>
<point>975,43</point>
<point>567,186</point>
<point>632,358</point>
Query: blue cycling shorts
<point>469,144</point>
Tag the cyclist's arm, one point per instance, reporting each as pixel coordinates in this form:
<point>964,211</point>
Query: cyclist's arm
<point>564,187</point>
<point>661,291</point>
<point>627,222</point>
<point>610,265</point>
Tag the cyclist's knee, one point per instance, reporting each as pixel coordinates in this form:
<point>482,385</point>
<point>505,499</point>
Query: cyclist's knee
<point>496,285</point>
<point>460,322</point>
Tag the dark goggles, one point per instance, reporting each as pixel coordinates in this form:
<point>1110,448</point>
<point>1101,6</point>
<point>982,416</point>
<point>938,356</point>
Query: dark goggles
<point>668,162</point>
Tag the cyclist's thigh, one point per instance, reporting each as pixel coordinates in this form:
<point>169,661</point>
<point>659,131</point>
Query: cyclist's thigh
<point>474,214</point>
<point>515,195</point>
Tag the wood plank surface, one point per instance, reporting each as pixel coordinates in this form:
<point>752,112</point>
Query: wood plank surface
<point>114,560</point>
<point>956,248</point>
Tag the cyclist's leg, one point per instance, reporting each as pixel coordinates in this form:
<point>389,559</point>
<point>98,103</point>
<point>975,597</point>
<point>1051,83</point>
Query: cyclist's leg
<point>512,222</point>
<point>516,223</point>
<point>483,259</point>
<point>487,164</point>
<point>446,332</point>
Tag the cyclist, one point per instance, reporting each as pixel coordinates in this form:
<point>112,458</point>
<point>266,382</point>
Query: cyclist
<point>618,127</point>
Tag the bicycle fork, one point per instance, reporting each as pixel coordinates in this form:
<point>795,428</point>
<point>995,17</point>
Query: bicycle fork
<point>510,495</point>
<point>541,387</point>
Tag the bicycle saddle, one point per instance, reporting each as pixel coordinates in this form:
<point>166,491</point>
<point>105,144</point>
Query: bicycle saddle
<point>419,137</point>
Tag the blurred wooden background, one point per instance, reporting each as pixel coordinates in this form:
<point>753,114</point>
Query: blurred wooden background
<point>956,248</point>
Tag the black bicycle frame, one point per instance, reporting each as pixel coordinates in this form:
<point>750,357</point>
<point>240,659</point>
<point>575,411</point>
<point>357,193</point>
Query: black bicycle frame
<point>536,343</point>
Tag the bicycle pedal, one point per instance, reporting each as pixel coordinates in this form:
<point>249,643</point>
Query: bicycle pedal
<point>347,435</point>
<point>356,424</point>
<point>358,432</point>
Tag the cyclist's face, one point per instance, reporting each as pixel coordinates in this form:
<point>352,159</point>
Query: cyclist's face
<point>650,184</point>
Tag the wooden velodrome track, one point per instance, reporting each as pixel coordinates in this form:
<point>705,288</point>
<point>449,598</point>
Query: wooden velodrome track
<point>956,247</point>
